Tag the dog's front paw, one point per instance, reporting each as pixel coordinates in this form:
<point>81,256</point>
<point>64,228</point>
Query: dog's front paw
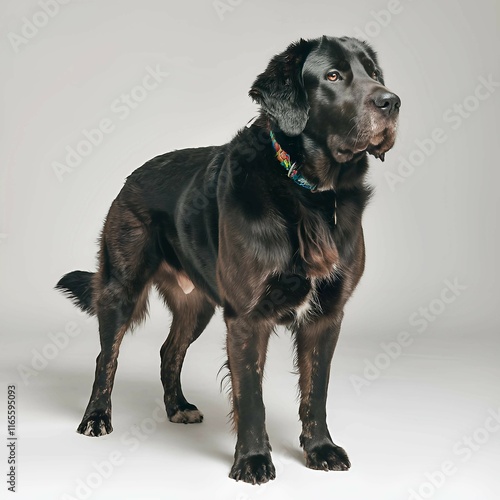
<point>254,469</point>
<point>327,457</point>
<point>97,423</point>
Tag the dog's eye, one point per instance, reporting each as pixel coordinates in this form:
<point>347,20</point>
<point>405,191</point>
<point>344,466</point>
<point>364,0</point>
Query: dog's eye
<point>375,75</point>
<point>333,76</point>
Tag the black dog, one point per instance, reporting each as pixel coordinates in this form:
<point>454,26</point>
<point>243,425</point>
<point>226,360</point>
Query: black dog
<point>267,226</point>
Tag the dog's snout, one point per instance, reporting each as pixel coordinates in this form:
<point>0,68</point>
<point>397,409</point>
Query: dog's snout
<point>387,102</point>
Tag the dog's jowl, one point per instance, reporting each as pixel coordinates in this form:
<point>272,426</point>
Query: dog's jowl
<point>268,227</point>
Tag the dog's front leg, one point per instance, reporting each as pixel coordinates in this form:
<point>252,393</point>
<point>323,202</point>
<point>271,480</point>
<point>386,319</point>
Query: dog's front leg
<point>315,344</point>
<point>246,348</point>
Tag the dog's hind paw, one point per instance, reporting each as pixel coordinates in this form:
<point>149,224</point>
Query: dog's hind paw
<point>96,424</point>
<point>254,469</point>
<point>327,457</point>
<point>185,414</point>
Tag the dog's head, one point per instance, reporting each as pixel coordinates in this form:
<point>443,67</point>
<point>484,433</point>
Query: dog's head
<point>331,89</point>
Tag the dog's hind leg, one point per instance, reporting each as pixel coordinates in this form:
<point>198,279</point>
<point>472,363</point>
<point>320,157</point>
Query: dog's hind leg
<point>120,287</point>
<point>191,312</point>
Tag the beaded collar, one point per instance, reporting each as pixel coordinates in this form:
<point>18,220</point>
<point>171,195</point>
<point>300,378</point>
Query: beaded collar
<point>292,168</point>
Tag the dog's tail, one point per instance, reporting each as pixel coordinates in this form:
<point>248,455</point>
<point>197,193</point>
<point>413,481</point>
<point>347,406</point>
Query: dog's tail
<point>77,285</point>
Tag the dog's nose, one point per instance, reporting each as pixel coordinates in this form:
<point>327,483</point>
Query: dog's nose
<point>387,102</point>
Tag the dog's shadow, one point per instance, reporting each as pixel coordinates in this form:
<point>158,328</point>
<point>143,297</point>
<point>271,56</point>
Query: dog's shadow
<point>138,412</point>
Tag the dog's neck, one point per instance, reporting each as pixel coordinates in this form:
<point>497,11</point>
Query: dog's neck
<point>293,169</point>
<point>317,164</point>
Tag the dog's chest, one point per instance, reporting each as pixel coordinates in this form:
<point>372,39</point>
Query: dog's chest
<point>329,239</point>
<point>328,244</point>
<point>318,241</point>
<point>310,305</point>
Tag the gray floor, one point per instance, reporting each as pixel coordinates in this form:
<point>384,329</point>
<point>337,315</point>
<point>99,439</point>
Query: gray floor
<point>399,430</point>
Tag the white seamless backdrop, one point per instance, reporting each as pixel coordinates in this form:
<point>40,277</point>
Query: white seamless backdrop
<point>91,90</point>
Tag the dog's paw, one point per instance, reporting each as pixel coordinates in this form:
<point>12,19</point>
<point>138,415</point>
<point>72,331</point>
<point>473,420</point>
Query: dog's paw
<point>254,469</point>
<point>327,457</point>
<point>185,414</point>
<point>96,424</point>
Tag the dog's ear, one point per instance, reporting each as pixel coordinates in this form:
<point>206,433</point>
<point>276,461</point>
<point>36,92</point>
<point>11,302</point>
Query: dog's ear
<point>280,89</point>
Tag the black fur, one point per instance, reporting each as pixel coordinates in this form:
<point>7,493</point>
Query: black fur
<point>225,226</point>
<point>78,287</point>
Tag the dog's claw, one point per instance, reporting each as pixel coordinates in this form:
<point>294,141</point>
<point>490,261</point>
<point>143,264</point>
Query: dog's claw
<point>187,417</point>
<point>95,425</point>
<point>255,469</point>
<point>327,457</point>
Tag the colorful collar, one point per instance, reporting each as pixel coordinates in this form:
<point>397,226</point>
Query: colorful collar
<point>291,168</point>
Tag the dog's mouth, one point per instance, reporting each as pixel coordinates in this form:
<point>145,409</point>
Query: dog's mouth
<point>380,145</point>
<point>376,142</point>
